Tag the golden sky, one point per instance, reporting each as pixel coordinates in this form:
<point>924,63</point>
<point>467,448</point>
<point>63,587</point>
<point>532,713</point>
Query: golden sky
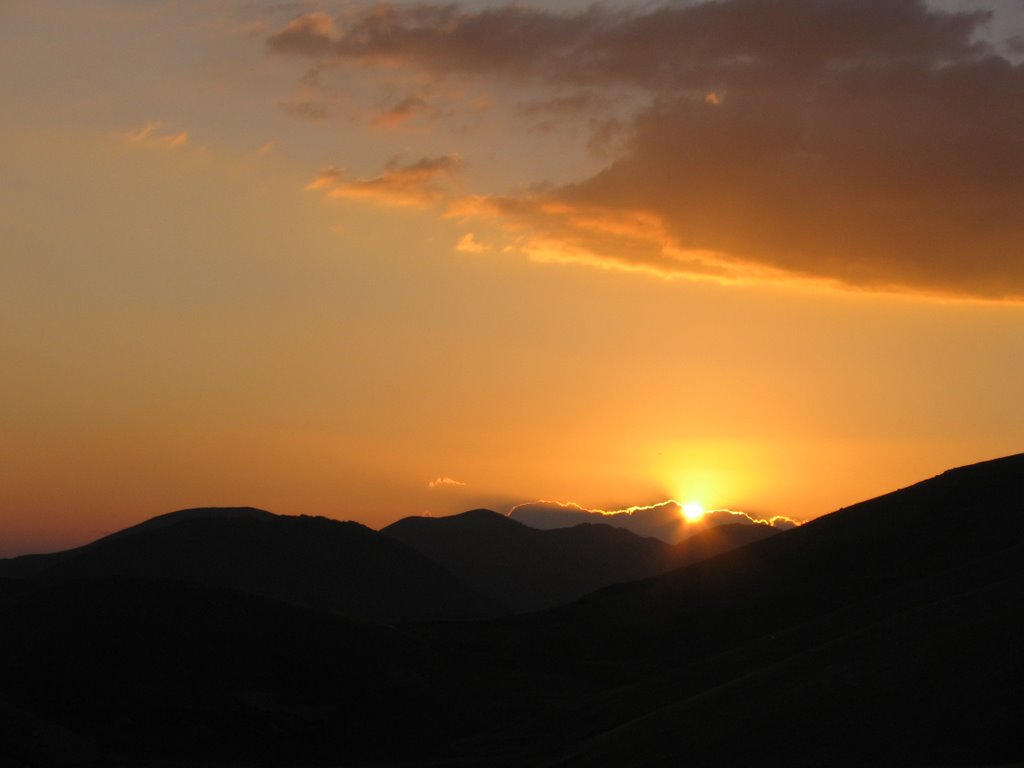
<point>370,260</point>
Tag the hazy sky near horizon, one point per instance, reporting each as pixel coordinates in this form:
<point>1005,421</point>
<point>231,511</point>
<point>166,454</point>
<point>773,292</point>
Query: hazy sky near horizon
<point>370,260</point>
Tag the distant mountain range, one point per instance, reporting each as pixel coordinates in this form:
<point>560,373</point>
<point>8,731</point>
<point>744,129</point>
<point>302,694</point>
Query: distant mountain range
<point>475,565</point>
<point>525,569</point>
<point>665,520</point>
<point>343,567</point>
<point>887,633</point>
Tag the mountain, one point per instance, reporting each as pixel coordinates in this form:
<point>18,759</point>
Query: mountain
<point>914,536</point>
<point>887,633</point>
<point>525,569</point>
<point>884,633</point>
<point>343,567</point>
<point>718,539</point>
<point>30,565</point>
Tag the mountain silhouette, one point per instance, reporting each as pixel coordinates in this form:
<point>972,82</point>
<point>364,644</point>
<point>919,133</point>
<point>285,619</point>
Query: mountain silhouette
<point>914,536</point>
<point>718,539</point>
<point>527,569</point>
<point>30,565</point>
<point>325,564</point>
<point>887,633</point>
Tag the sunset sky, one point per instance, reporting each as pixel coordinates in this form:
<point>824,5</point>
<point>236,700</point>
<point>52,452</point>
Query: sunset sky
<point>370,260</point>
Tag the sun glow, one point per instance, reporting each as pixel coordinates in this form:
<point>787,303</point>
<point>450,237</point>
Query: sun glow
<point>692,511</point>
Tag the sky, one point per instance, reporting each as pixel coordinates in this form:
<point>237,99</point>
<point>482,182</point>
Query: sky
<point>370,260</point>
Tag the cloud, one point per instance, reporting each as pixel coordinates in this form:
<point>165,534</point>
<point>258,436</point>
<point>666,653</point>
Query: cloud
<point>469,244</point>
<point>310,35</point>
<point>401,113</point>
<point>559,106</point>
<point>415,184</point>
<point>306,108</point>
<point>663,520</point>
<point>152,134</point>
<point>444,482</point>
<point>872,144</point>
<point>552,112</point>
<point>662,44</point>
<point>549,229</point>
<point>326,178</point>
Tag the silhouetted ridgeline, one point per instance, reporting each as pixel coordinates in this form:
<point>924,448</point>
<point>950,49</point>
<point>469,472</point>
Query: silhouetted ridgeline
<point>309,561</point>
<point>526,569</point>
<point>475,565</point>
<point>888,633</point>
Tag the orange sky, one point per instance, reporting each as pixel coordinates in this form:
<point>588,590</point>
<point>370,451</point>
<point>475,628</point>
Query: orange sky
<point>316,260</point>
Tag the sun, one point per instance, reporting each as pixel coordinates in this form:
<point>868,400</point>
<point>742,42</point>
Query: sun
<point>693,511</point>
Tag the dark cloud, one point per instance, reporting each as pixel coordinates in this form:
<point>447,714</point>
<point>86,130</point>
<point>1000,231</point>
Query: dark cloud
<point>307,35</point>
<point>663,521</point>
<point>674,44</point>
<point>873,143</point>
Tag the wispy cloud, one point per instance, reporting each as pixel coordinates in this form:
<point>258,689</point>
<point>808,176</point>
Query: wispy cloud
<point>868,143</point>
<point>311,34</point>
<point>307,108</point>
<point>468,243</point>
<point>401,113</point>
<point>326,177</point>
<point>417,184</point>
<point>154,134</point>
<point>444,482</point>
<point>549,229</point>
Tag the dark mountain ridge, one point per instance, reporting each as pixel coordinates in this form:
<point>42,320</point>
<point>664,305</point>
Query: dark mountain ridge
<point>527,569</point>
<point>343,567</point>
<point>887,633</point>
<point>957,519</point>
<point>29,565</point>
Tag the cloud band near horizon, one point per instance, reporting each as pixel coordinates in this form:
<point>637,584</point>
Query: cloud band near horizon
<point>663,520</point>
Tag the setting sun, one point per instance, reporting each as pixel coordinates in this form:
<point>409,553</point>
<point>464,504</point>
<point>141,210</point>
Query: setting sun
<point>692,511</point>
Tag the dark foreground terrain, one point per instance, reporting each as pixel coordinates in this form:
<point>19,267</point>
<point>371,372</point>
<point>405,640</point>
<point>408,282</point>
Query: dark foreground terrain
<point>887,633</point>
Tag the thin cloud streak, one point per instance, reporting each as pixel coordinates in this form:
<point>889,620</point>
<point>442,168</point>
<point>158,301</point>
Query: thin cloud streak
<point>152,134</point>
<point>445,482</point>
<point>416,184</point>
